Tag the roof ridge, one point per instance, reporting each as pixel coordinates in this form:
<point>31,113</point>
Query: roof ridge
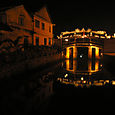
<point>9,7</point>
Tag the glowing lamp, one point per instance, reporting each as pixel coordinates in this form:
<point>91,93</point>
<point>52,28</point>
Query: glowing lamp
<point>66,75</point>
<point>82,78</point>
<point>66,40</point>
<point>81,56</point>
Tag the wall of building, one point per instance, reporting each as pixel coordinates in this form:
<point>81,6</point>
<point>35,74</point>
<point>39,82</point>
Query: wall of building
<point>109,46</point>
<point>26,28</point>
<point>13,15</point>
<point>43,33</point>
<point>13,21</point>
<point>17,30</point>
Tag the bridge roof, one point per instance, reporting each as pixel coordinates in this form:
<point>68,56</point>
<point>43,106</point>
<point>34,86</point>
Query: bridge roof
<point>84,34</point>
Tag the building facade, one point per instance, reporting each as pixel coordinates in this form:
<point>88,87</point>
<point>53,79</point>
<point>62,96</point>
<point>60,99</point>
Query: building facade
<point>16,22</point>
<point>43,28</point>
<point>19,23</point>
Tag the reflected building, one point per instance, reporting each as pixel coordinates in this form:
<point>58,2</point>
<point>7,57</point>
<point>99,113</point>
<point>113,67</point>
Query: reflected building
<point>84,67</point>
<point>84,73</point>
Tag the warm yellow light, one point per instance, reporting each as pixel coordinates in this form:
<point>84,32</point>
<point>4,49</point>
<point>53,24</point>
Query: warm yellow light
<point>91,34</point>
<point>67,53</point>
<point>66,75</point>
<point>106,81</point>
<point>82,78</point>
<point>113,82</point>
<point>89,30</point>
<point>99,32</point>
<point>84,81</point>
<point>102,37</point>
<point>77,30</point>
<point>96,36</point>
<point>96,65</point>
<point>96,51</point>
<point>108,37</point>
<point>66,40</point>
<point>101,65</point>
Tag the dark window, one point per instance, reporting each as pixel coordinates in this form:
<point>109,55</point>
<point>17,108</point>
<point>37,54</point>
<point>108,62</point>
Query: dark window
<point>1,36</point>
<point>37,41</point>
<point>43,26</point>
<point>93,64</point>
<point>3,18</point>
<point>26,41</point>
<point>99,52</point>
<point>21,20</point>
<point>45,41</point>
<point>49,28</point>
<point>49,41</point>
<point>37,23</point>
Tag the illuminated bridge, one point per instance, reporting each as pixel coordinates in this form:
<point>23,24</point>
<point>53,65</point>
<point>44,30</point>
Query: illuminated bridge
<point>83,43</point>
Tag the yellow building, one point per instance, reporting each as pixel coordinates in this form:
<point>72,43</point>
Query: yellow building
<point>36,29</point>
<point>43,28</point>
<point>16,22</point>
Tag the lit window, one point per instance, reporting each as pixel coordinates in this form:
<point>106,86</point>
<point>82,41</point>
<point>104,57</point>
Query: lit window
<point>37,23</point>
<point>43,26</point>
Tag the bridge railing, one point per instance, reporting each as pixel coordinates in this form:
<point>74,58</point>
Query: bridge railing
<point>97,41</point>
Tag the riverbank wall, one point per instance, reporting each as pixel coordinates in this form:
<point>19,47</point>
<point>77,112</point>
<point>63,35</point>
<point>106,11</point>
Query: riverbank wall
<point>29,64</point>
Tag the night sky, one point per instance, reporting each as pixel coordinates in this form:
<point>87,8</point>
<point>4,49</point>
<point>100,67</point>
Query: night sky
<point>69,15</point>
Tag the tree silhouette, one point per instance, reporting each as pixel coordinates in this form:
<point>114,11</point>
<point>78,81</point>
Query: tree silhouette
<point>11,44</point>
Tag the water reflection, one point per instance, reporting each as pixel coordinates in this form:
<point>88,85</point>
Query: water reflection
<point>85,73</point>
<point>26,95</point>
<point>82,67</point>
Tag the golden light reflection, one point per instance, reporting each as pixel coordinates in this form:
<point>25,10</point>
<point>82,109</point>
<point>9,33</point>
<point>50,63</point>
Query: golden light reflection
<point>72,66</point>
<point>113,82</point>
<point>86,82</point>
<point>67,53</point>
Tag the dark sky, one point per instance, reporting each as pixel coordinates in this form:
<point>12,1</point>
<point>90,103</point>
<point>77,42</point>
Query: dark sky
<point>71,14</point>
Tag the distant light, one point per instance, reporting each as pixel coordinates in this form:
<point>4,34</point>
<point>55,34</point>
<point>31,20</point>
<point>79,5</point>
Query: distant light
<point>109,37</point>
<point>107,81</point>
<point>81,56</point>
<point>66,75</point>
<point>84,81</point>
<point>66,40</point>
<point>101,65</point>
<point>113,82</point>
<point>82,78</point>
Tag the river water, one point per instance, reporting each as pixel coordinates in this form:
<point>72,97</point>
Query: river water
<point>69,86</point>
